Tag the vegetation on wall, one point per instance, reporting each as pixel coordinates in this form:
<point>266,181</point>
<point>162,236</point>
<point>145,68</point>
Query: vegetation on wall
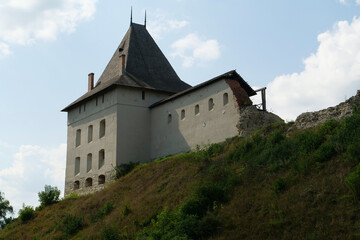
<point>275,184</point>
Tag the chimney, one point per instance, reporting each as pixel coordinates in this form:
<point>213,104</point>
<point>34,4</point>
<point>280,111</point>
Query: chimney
<point>91,81</point>
<point>122,64</point>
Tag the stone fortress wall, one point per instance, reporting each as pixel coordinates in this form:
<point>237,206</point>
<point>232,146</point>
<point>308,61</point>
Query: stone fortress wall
<point>338,112</point>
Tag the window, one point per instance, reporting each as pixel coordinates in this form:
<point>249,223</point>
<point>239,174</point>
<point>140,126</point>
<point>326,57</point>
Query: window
<point>78,138</point>
<point>225,99</point>
<point>211,104</point>
<point>101,158</point>
<point>77,166</point>
<point>76,185</point>
<point>101,179</point>
<point>96,102</point>
<point>90,133</point>
<point>197,109</point>
<point>169,118</point>
<point>80,109</point>
<point>182,114</point>
<point>143,95</point>
<point>102,128</point>
<point>103,99</point>
<point>84,107</point>
<point>89,162</point>
<point>88,182</point>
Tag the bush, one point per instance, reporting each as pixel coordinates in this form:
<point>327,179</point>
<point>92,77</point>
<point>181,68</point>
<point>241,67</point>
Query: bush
<point>49,196</point>
<point>105,210</point>
<point>324,152</point>
<point>126,210</point>
<point>352,181</point>
<point>279,185</point>
<point>109,232</point>
<point>171,225</point>
<point>26,213</point>
<point>207,226</point>
<point>124,169</point>
<point>214,149</point>
<point>70,225</point>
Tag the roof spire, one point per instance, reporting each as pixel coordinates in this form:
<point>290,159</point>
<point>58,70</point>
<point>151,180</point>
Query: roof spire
<point>145,19</point>
<point>131,16</point>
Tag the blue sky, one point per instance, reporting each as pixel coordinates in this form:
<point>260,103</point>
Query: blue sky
<point>307,54</point>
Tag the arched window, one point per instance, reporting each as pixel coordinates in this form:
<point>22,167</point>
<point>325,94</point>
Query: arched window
<point>88,182</point>
<point>102,129</point>
<point>77,165</point>
<point>78,138</point>
<point>169,118</point>
<point>76,185</point>
<point>101,158</point>
<point>90,133</point>
<point>182,114</point>
<point>197,109</point>
<point>101,179</point>
<point>225,99</point>
<point>211,104</point>
<point>89,162</point>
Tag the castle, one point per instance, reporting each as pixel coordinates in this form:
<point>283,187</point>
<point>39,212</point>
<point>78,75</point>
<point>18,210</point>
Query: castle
<point>140,110</point>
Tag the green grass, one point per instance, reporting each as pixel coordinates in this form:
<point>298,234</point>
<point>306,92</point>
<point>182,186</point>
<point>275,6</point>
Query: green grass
<point>272,185</point>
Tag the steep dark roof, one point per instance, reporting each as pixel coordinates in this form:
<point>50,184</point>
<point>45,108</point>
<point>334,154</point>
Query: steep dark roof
<point>145,67</point>
<point>144,61</point>
<point>228,75</point>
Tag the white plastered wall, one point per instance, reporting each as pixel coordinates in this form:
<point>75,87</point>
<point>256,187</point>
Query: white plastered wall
<point>202,129</point>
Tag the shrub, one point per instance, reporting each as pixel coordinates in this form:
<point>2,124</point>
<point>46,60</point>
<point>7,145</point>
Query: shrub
<point>214,149</point>
<point>171,225</point>
<point>353,152</point>
<point>352,181</point>
<point>329,127</point>
<point>207,226</point>
<point>279,185</point>
<point>26,213</point>
<point>49,196</point>
<point>124,169</point>
<point>70,224</point>
<point>109,232</point>
<point>126,210</point>
<point>105,210</point>
<point>324,152</point>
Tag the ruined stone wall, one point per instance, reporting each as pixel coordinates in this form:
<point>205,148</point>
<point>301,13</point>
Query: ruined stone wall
<point>339,112</point>
<point>251,119</point>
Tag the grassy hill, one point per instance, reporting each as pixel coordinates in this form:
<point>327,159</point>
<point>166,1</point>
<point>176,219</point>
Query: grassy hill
<point>274,185</point>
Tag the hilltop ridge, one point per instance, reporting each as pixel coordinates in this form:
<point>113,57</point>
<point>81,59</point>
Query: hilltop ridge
<point>275,184</point>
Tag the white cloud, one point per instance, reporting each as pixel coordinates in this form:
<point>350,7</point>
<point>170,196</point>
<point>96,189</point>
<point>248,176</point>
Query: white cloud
<point>32,167</point>
<point>4,49</point>
<point>192,49</point>
<point>330,75</point>
<point>159,24</point>
<point>25,21</point>
<point>345,1</point>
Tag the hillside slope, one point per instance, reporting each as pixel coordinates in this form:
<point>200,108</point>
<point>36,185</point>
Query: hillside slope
<point>274,185</point>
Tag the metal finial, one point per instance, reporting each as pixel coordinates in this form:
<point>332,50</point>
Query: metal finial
<point>131,16</point>
<point>145,19</point>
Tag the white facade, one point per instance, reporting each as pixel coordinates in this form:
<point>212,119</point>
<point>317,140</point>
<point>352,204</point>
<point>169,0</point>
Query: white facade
<point>188,128</point>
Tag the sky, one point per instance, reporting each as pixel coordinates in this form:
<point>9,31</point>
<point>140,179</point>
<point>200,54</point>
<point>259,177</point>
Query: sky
<point>306,52</point>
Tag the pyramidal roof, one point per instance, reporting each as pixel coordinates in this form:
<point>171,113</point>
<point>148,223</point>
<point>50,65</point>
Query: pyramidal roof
<point>144,63</point>
<point>145,67</point>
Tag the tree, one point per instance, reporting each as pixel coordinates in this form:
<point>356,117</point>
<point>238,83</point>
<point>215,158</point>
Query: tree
<point>49,196</point>
<point>4,209</point>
